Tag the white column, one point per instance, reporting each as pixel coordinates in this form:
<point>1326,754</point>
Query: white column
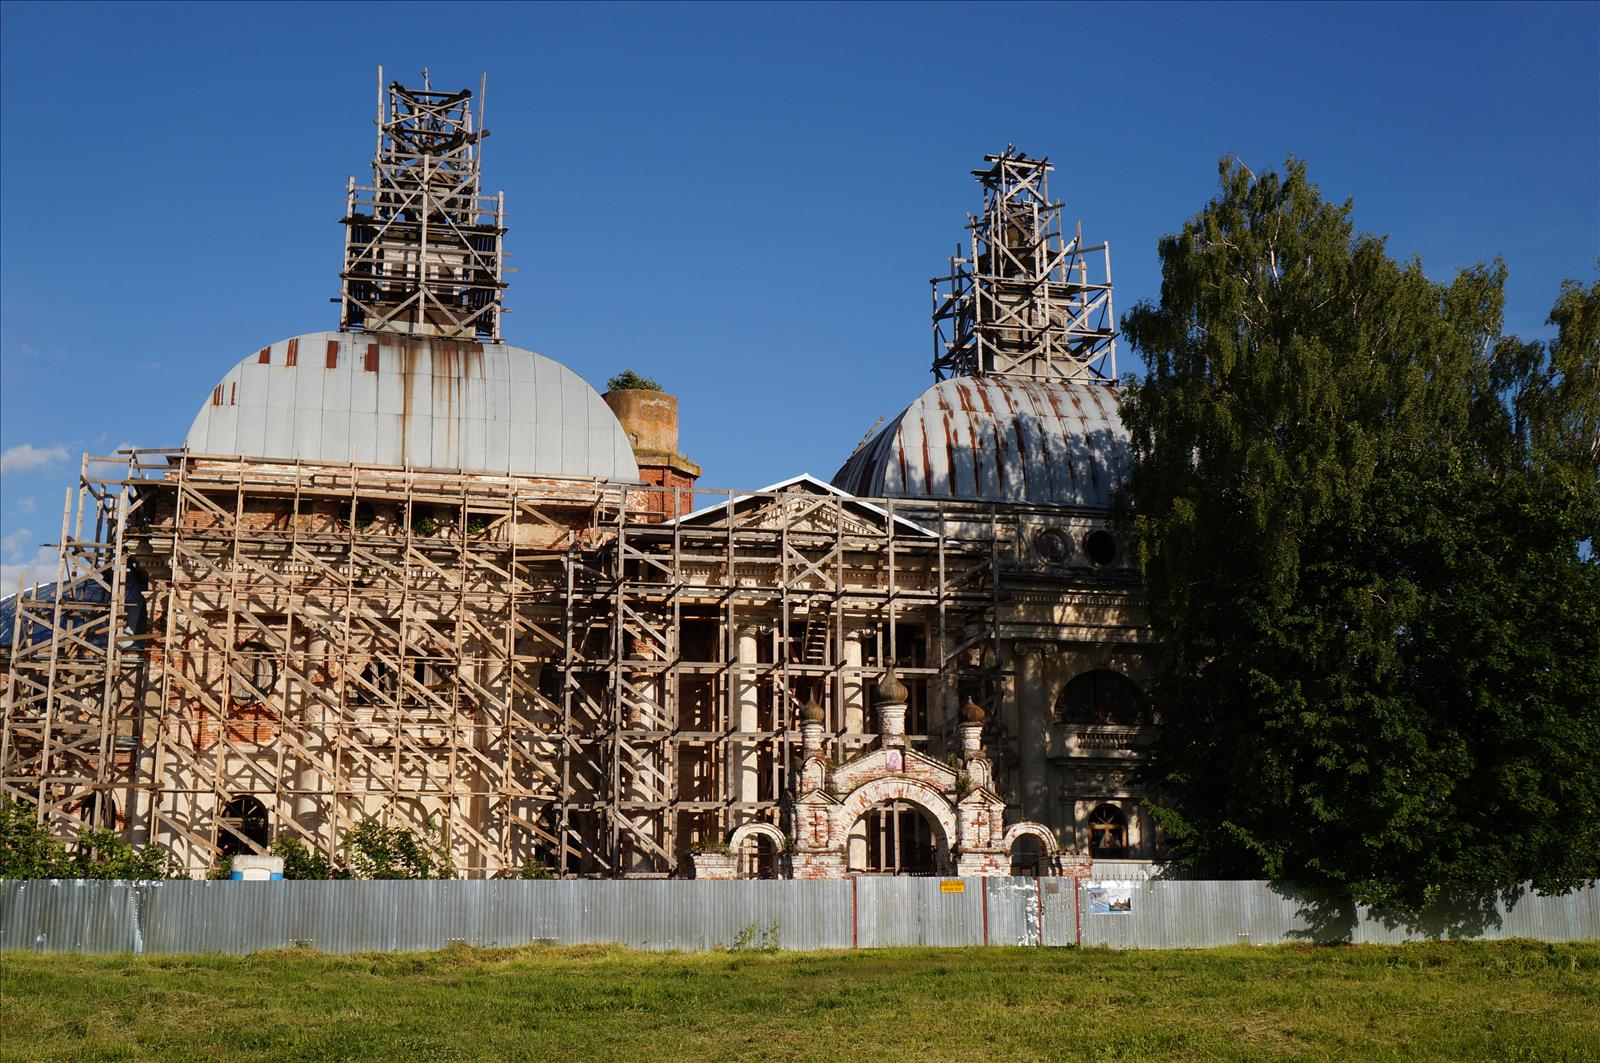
<point>855,689</point>
<point>308,779</point>
<point>745,782</point>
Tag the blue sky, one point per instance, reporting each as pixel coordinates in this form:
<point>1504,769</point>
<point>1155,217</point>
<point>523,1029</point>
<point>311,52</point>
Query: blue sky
<point>744,202</point>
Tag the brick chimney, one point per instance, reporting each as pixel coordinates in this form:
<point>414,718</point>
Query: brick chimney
<point>650,418</point>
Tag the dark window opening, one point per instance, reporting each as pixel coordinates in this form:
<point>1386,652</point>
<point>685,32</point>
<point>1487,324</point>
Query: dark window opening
<point>1027,855</point>
<point>550,682</point>
<point>698,640</point>
<point>378,684</point>
<point>98,810</point>
<point>1101,546</point>
<point>758,857</point>
<point>1108,832</point>
<point>243,828</point>
<point>1102,697</point>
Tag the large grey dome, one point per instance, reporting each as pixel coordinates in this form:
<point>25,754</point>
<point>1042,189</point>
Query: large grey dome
<point>425,403</point>
<point>998,439</point>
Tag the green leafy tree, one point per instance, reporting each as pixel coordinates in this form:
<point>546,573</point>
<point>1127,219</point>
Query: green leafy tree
<point>301,862</point>
<point>28,850</point>
<point>1359,512</point>
<point>378,850</point>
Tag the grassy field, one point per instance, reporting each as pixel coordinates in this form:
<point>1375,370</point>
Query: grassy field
<point>1499,1001</point>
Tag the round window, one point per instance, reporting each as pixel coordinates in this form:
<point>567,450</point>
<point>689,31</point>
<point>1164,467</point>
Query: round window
<point>1053,545</point>
<point>1101,546</point>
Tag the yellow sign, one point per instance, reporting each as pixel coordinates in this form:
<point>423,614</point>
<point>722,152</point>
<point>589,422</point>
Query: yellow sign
<point>952,885</point>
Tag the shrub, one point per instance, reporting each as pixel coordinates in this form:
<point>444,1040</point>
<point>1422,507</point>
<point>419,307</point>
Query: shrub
<point>377,850</point>
<point>301,862</point>
<point>628,380</point>
<point>28,850</point>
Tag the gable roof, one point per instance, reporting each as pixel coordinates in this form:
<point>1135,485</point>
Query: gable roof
<point>807,484</point>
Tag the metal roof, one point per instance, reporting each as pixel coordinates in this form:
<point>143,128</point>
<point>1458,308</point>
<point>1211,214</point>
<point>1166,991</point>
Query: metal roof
<point>998,439</point>
<point>416,401</point>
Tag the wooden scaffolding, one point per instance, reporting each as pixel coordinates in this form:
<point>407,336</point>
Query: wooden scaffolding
<point>236,649</point>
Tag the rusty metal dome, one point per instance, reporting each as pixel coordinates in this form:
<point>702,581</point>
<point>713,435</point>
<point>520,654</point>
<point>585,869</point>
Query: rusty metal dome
<point>418,402</point>
<point>998,439</point>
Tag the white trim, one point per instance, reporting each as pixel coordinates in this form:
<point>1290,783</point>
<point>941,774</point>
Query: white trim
<point>805,478</point>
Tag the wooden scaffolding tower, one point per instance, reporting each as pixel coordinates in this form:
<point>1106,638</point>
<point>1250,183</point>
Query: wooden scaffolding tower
<point>1025,300</point>
<point>423,246</point>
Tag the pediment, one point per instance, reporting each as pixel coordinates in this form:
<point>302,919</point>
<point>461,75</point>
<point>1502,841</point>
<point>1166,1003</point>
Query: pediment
<point>876,764</point>
<point>803,505</point>
<point>980,796</point>
<point>815,797</point>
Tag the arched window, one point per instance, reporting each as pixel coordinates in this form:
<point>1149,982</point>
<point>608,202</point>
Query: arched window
<point>1102,697</point>
<point>1108,832</point>
<point>260,667</point>
<point>243,828</point>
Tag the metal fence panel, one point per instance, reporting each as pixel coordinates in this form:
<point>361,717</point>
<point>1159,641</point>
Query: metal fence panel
<point>341,917</point>
<point>1014,910</point>
<point>919,911</point>
<point>1204,914</point>
<point>69,915</point>
<point>1575,917</point>
<point>1058,902</point>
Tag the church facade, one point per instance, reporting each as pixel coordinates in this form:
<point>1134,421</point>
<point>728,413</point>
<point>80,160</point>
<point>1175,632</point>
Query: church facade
<point>405,570</point>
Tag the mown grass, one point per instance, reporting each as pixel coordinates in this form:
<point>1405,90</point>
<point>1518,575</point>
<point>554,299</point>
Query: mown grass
<point>1501,1001</point>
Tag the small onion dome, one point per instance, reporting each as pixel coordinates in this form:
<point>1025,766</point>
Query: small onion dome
<point>972,712</point>
<point>890,690</point>
<point>811,711</point>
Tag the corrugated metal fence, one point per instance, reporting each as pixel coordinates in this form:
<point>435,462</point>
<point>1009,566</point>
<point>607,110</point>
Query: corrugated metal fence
<point>239,917</point>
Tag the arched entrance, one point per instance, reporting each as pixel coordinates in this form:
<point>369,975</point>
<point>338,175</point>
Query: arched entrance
<point>902,839</point>
<point>1032,848</point>
<point>758,850</point>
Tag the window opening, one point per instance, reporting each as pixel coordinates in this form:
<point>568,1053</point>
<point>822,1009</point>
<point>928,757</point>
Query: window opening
<point>1108,832</point>
<point>244,820</point>
<point>1101,547</point>
<point>1101,697</point>
<point>758,857</point>
<point>1027,856</point>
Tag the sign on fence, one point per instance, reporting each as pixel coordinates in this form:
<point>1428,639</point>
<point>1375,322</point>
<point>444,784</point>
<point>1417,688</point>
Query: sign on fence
<point>1109,898</point>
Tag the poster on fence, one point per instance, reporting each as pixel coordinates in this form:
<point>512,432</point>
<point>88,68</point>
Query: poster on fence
<point>1109,898</point>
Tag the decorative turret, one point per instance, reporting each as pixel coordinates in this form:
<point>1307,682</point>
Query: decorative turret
<point>812,717</point>
<point>891,699</point>
<point>971,727</point>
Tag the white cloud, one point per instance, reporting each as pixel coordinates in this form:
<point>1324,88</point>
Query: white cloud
<point>25,505</point>
<point>13,544</point>
<point>25,456</point>
<point>41,568</point>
